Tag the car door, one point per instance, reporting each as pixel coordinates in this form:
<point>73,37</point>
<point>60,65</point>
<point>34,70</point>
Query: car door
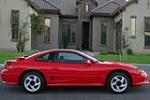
<point>70,68</point>
<point>45,64</point>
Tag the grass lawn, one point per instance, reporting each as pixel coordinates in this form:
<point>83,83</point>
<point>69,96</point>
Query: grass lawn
<point>139,59</point>
<point>133,59</point>
<point>9,55</point>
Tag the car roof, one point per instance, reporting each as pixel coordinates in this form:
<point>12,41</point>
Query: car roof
<point>53,50</point>
<point>61,50</point>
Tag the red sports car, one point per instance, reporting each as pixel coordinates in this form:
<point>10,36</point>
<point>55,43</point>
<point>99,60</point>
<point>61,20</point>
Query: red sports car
<point>70,68</point>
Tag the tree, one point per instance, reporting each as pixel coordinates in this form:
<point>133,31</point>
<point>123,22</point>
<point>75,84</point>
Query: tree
<point>37,25</point>
<point>23,37</point>
<point>125,45</point>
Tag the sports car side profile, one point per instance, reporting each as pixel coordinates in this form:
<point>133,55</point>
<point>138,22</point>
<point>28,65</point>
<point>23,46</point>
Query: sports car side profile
<point>70,68</point>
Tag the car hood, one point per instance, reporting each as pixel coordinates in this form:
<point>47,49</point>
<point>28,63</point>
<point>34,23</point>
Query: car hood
<point>119,64</point>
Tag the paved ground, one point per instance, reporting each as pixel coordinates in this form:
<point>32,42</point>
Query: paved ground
<point>75,93</point>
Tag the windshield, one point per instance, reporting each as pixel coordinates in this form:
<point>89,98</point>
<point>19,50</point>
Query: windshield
<point>90,57</point>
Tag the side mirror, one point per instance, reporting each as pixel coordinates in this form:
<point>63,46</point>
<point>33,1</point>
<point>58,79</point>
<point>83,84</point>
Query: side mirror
<point>88,62</point>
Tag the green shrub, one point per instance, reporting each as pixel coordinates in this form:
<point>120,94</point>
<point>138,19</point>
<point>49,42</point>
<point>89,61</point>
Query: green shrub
<point>129,52</point>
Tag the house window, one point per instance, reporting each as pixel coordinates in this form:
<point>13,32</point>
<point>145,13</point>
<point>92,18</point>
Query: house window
<point>147,32</point>
<point>103,32</point>
<point>72,32</point>
<point>47,30</point>
<point>15,24</point>
<point>86,7</point>
<point>133,26</point>
<point>69,31</point>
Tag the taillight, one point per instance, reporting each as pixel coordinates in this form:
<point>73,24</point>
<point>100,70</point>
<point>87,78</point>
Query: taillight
<point>7,65</point>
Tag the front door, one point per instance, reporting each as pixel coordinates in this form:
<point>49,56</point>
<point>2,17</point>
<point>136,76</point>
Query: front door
<point>85,35</point>
<point>71,69</point>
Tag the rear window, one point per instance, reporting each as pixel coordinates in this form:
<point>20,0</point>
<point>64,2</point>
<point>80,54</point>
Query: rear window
<point>47,57</point>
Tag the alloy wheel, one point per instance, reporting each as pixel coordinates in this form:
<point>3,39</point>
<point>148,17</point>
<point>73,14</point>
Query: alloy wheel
<point>119,83</point>
<point>32,83</point>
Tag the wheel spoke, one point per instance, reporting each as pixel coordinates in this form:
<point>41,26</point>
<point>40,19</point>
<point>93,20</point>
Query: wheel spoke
<point>122,79</point>
<point>123,85</point>
<point>118,88</point>
<point>28,78</point>
<point>37,84</point>
<point>28,83</point>
<point>34,78</point>
<point>32,87</point>
<point>117,79</point>
<point>114,83</point>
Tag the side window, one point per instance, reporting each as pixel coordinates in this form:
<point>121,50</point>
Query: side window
<point>43,58</point>
<point>48,57</point>
<point>73,58</point>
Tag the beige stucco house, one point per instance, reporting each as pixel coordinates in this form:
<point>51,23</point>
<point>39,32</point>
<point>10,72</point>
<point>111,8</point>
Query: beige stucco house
<point>94,25</point>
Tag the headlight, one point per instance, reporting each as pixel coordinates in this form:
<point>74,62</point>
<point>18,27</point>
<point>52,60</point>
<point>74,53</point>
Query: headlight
<point>140,70</point>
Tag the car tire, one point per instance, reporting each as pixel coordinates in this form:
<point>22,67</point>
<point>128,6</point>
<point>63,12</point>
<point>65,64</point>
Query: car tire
<point>33,82</point>
<point>118,82</point>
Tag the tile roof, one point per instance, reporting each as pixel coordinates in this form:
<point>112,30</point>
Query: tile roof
<point>111,7</point>
<point>44,5</point>
<point>69,7</point>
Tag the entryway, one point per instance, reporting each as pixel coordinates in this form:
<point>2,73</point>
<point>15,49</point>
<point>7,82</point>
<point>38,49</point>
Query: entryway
<point>85,35</point>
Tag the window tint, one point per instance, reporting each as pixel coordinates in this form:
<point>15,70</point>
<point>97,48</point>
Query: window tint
<point>48,57</point>
<point>65,57</point>
<point>43,58</point>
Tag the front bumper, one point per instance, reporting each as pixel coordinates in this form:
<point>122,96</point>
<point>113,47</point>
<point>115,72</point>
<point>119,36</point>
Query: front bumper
<point>141,79</point>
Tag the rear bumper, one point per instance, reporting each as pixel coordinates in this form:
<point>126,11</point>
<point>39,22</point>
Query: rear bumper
<point>9,78</point>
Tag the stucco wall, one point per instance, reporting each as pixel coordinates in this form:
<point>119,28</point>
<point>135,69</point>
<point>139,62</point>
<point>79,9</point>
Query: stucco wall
<point>5,22</point>
<point>53,35</point>
<point>96,38</point>
<point>140,10</point>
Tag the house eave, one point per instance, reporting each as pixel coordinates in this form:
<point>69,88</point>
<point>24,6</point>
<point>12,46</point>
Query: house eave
<point>68,16</point>
<point>47,11</point>
<point>101,15</point>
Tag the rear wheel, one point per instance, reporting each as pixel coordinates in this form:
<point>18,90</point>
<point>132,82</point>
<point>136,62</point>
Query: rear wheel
<point>118,82</point>
<point>32,82</point>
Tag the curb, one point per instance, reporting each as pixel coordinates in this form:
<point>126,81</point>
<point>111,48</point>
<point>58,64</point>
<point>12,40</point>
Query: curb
<point>142,64</point>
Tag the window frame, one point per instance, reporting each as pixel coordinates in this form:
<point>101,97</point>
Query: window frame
<point>15,24</point>
<point>131,34</point>
<point>86,7</point>
<point>101,35</point>
<point>145,44</point>
<point>71,53</point>
<point>44,37</point>
<point>36,59</point>
<point>68,34</point>
<point>146,32</point>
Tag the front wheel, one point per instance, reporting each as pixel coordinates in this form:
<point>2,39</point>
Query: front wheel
<point>32,82</point>
<point>118,82</point>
